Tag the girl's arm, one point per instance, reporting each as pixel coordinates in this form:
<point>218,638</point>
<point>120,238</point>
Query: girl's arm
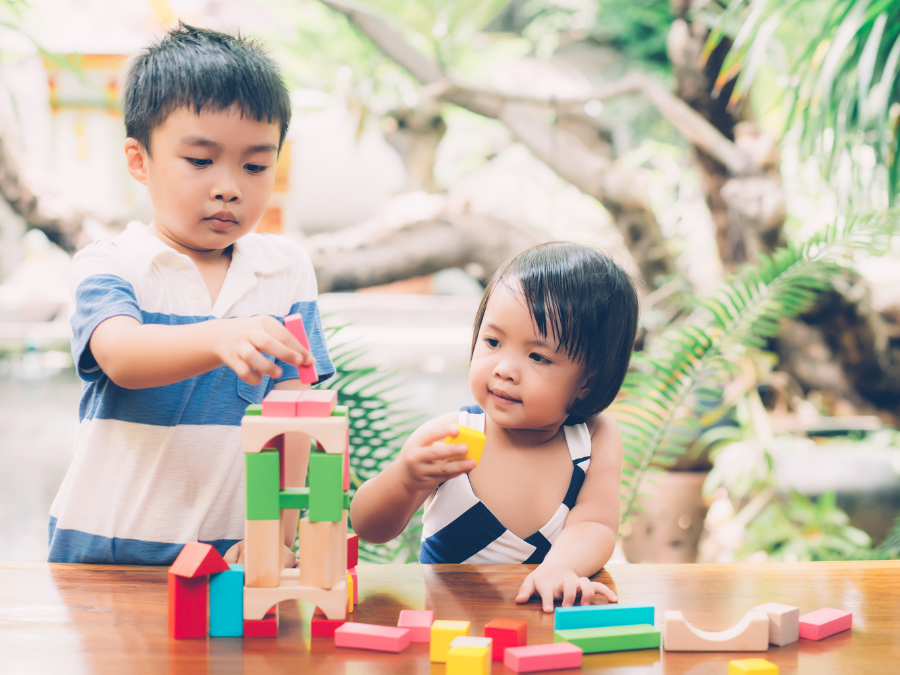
<point>589,535</point>
<point>384,505</point>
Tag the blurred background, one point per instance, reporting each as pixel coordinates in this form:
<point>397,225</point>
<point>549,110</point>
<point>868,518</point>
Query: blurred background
<point>739,158</point>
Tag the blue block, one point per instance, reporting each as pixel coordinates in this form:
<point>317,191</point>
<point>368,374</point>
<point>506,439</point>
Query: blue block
<point>602,616</point>
<point>226,603</point>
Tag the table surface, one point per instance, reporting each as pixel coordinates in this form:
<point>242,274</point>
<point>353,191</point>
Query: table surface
<point>64,619</point>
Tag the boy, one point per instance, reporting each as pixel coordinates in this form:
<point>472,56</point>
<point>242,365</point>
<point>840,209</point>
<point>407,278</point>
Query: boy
<point>177,324</point>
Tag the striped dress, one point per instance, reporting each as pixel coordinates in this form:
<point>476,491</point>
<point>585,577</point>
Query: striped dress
<point>459,528</point>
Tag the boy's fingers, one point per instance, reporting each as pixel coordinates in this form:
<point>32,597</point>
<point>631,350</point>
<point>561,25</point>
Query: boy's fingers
<point>283,336</point>
<point>295,354</point>
<point>261,364</point>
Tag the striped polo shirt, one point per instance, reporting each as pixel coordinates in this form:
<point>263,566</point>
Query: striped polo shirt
<point>155,468</point>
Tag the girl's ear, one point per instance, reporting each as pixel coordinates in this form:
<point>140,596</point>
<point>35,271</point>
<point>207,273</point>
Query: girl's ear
<point>136,160</point>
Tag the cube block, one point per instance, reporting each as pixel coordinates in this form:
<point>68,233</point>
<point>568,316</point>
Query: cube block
<point>325,627</point>
<point>442,634</point>
<point>537,658</point>
<point>280,403</point>
<point>752,667</point>
<point>265,627</point>
<point>254,409</point>
<point>187,606</point>
<point>469,656</point>
<point>326,496</point>
<point>824,623</point>
<point>368,636</point>
<point>784,622</point>
<point>226,603</point>
<point>610,638</point>
<point>471,438</point>
<point>601,616</point>
<point>262,477</point>
<point>506,633</point>
<point>418,621</point>
<point>341,411</point>
<point>316,403</point>
<point>352,550</point>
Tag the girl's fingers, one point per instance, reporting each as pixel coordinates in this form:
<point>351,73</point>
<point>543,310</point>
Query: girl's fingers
<point>526,590</point>
<point>448,470</point>
<point>570,589</point>
<point>435,437</point>
<point>547,593</point>
<point>587,591</point>
<point>606,592</point>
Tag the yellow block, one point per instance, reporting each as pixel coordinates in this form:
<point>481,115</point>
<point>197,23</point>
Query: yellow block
<point>472,438</point>
<point>442,634</point>
<point>752,667</point>
<point>349,592</point>
<point>469,661</point>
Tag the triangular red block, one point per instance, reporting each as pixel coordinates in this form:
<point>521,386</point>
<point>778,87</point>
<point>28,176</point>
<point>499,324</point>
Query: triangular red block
<point>197,560</point>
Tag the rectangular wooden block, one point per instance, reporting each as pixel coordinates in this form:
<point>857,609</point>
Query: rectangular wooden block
<point>418,621</point>
<point>352,550</point>
<point>262,479</point>
<point>353,574</point>
<point>610,638</point>
<point>601,616</point>
<point>324,627</point>
<point>187,606</point>
<point>326,494</point>
<point>368,636</point>
<point>469,656</point>
<point>784,622</point>
<point>266,627</point>
<point>752,667</point>
<point>824,623</point>
<point>537,658</point>
<point>506,633</point>
<point>316,402</point>
<point>294,323</point>
<point>281,403</point>
<point>442,634</point>
<point>341,411</point>
<point>350,582</point>
<point>262,552</point>
<point>253,409</point>
<point>323,552</point>
<point>226,603</point>
<point>346,484</point>
<point>294,498</point>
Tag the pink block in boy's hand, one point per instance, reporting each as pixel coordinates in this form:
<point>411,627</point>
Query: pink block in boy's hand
<point>294,323</point>
<point>369,636</point>
<point>419,623</point>
<point>535,658</point>
<point>824,622</point>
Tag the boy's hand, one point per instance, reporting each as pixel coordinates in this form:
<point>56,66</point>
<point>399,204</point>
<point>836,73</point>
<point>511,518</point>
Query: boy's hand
<point>240,343</point>
<point>423,459</point>
<point>555,581</point>
<point>235,556</point>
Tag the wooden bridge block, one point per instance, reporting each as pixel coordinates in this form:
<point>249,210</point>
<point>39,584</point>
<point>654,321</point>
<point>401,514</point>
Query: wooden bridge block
<point>750,634</point>
<point>610,638</point>
<point>537,658</point>
<point>784,622</point>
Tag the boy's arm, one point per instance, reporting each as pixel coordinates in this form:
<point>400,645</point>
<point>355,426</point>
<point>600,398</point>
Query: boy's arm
<point>589,536</point>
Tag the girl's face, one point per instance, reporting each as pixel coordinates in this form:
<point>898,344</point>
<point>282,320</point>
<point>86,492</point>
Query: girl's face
<point>517,376</point>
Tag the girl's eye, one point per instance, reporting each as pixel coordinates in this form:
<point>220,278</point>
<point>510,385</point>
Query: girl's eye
<point>492,342</point>
<point>537,358</point>
<point>199,162</point>
<point>254,168</point>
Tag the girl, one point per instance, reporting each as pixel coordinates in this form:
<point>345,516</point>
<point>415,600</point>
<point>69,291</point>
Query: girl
<point>551,345</point>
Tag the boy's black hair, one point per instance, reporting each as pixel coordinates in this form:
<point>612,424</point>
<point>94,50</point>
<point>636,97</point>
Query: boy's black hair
<point>202,69</point>
<point>588,304</point>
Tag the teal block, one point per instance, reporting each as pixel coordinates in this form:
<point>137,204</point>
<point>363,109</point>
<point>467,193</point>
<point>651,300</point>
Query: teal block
<point>254,409</point>
<point>226,603</point>
<point>262,486</point>
<point>294,498</point>
<point>326,487</point>
<point>600,616</point>
<point>611,638</point>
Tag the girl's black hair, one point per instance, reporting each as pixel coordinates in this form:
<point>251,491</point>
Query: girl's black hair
<point>588,304</point>
<point>202,69</point>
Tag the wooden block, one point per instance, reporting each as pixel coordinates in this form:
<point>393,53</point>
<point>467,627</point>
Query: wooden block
<point>750,634</point>
<point>506,633</point>
<point>472,438</point>
<point>308,374</point>
<point>324,627</point>
<point>442,634</point>
<point>263,542</point>
<point>355,585</point>
<point>262,478</point>
<point>469,656</point>
<point>784,622</point>
<point>316,402</point>
<point>281,403</point>
<point>346,501</point>
<point>418,621</point>
<point>198,560</point>
<point>352,550</point>
<point>341,411</point>
<point>226,603</point>
<point>369,636</point>
<point>187,606</point>
<point>265,627</point>
<point>349,592</point>
<point>537,658</point>
<point>323,552</point>
<point>253,409</point>
<point>294,498</point>
<point>601,616</point>
<point>346,485</point>
<point>294,323</point>
<point>752,667</point>
<point>333,601</point>
<point>610,638</point>
<point>330,432</point>
<point>824,622</point>
<point>326,494</point>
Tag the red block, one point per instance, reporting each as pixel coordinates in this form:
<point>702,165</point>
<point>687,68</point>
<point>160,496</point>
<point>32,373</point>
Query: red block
<point>265,627</point>
<point>294,323</point>
<point>419,623</point>
<point>505,633</point>
<point>316,402</point>
<point>197,560</point>
<point>355,585</point>
<point>281,403</point>
<point>369,636</point>
<point>535,658</point>
<point>347,463</point>
<point>187,606</point>
<point>325,627</point>
<point>352,551</point>
<point>824,623</point>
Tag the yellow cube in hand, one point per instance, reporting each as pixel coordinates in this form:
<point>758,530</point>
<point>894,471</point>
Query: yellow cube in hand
<point>473,439</point>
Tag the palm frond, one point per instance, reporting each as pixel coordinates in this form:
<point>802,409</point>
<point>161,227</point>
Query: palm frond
<point>683,373</point>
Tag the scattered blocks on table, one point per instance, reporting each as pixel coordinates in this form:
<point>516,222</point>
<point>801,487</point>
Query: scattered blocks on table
<point>368,636</point>
<point>326,494</point>
<point>750,634</point>
<point>226,603</point>
<point>418,621</point>
<point>281,403</point>
<point>537,658</point>
<point>469,656</point>
<point>352,550</point>
<point>471,438</point>
<point>265,627</point>
<point>197,560</point>
<point>784,622</point>
<point>610,638</point>
<point>187,606</point>
<point>324,627</point>
<point>442,634</point>
<point>824,623</point>
<point>505,633</point>
<point>316,402</point>
<point>262,479</point>
<point>752,667</point>
<point>601,616</point>
<point>353,574</point>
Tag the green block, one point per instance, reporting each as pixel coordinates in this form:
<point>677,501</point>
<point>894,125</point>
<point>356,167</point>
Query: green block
<point>346,500</point>
<point>254,409</point>
<point>294,498</point>
<point>326,487</point>
<point>611,638</point>
<point>262,486</point>
<point>340,411</point>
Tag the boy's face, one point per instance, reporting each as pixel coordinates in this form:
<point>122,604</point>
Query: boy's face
<point>210,176</point>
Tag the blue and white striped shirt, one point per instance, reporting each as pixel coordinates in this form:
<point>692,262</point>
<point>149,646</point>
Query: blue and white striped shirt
<point>155,468</point>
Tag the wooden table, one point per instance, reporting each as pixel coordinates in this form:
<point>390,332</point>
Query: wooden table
<point>64,619</point>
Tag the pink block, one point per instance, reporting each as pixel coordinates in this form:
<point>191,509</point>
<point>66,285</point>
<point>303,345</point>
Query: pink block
<point>280,403</point>
<point>352,572</point>
<point>824,622</point>
<point>535,658</point>
<point>370,636</point>
<point>347,463</point>
<point>419,623</point>
<point>316,402</point>
<point>294,323</point>
<point>308,374</point>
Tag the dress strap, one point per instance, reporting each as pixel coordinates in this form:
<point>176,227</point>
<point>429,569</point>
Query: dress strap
<point>472,416</point>
<point>578,438</point>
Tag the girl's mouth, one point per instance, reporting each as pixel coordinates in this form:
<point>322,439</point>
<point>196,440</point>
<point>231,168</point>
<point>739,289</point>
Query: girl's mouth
<point>502,398</point>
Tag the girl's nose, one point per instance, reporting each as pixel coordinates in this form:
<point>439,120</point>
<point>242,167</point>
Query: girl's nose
<point>505,370</point>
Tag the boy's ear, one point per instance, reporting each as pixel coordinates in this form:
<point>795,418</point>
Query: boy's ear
<point>136,159</point>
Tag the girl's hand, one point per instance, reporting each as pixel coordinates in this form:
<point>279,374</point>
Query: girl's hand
<point>555,581</point>
<point>423,459</point>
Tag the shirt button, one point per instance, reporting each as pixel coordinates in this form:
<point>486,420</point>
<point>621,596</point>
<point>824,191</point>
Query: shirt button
<point>179,265</point>
<point>195,294</point>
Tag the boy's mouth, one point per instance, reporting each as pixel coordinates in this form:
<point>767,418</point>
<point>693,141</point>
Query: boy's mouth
<point>222,220</point>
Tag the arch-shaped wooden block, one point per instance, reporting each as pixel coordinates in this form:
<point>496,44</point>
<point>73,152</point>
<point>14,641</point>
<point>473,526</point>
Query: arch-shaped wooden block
<point>330,432</point>
<point>750,634</point>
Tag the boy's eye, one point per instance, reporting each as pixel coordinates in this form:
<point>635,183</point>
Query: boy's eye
<point>492,342</point>
<point>199,162</point>
<point>254,168</point>
<point>537,358</point>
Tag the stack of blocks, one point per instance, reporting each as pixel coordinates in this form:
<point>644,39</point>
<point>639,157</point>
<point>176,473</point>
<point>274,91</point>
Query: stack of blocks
<point>606,628</point>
